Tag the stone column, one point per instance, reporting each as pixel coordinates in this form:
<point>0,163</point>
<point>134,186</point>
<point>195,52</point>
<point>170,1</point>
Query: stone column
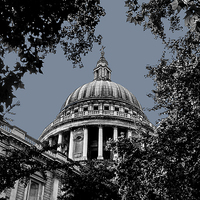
<point>129,133</point>
<point>115,136</point>
<point>50,142</point>
<point>100,72</point>
<point>71,145</point>
<point>81,108</point>
<point>105,73</point>
<point>121,108</point>
<point>111,107</point>
<point>109,75</point>
<point>13,194</point>
<point>100,107</point>
<point>55,188</point>
<point>115,133</point>
<point>100,143</point>
<point>85,143</point>
<point>89,106</point>
<point>95,75</point>
<point>59,148</point>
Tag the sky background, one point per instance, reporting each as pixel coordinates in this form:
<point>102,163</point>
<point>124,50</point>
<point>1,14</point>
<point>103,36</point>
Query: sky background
<point>128,50</point>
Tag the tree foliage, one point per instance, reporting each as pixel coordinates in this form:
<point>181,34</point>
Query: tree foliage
<point>177,88</point>
<point>34,28</point>
<point>134,166</point>
<point>89,180</point>
<point>153,15</point>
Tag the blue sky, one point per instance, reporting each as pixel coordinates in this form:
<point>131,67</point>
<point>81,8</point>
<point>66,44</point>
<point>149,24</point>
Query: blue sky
<point>128,50</point>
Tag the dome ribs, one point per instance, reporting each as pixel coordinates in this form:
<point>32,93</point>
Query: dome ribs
<point>110,89</point>
<point>102,89</point>
<point>81,92</point>
<point>87,90</point>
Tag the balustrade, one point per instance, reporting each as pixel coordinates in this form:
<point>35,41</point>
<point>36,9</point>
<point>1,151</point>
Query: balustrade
<point>108,112</point>
<point>32,141</point>
<point>76,115</point>
<point>5,128</point>
<point>92,112</point>
<point>85,112</point>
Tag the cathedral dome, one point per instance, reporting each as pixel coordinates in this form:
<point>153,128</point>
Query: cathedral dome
<point>101,89</point>
<point>93,113</point>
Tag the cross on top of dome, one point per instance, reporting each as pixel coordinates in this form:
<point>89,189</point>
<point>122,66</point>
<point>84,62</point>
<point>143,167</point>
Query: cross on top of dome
<point>102,59</point>
<point>102,51</point>
<point>102,71</point>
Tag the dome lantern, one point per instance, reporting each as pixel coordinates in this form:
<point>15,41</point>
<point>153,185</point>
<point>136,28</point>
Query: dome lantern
<point>102,71</point>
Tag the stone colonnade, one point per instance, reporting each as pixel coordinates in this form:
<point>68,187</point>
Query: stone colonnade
<point>85,142</point>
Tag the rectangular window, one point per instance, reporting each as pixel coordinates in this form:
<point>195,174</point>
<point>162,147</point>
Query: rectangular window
<point>35,190</point>
<point>106,107</point>
<point>116,108</point>
<point>75,111</point>
<point>96,107</point>
<point>126,111</point>
<point>85,109</point>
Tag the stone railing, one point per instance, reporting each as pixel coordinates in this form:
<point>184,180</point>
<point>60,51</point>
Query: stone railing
<point>5,127</point>
<point>83,114</point>
<point>15,131</point>
<point>32,141</point>
<point>95,112</point>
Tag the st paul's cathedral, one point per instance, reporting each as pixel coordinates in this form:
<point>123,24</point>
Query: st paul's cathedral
<point>90,115</point>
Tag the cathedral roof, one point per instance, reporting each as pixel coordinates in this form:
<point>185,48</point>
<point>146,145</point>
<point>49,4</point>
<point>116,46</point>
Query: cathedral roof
<point>101,88</point>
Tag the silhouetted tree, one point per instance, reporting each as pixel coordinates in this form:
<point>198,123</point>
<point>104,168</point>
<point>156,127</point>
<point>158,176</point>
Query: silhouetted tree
<point>92,180</point>
<point>34,28</point>
<point>177,91</point>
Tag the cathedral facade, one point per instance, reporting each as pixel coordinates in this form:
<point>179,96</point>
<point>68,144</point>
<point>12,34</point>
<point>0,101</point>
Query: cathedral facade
<point>90,116</point>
